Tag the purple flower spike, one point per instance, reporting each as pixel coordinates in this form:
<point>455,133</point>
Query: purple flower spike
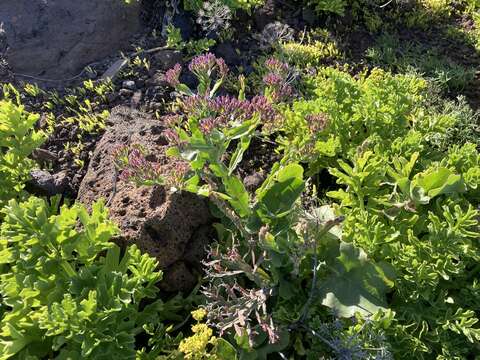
<point>171,136</point>
<point>207,125</point>
<point>202,63</point>
<point>172,76</point>
<point>276,66</point>
<point>317,122</point>
<point>222,67</point>
<point>272,79</point>
<point>260,104</point>
<point>171,120</point>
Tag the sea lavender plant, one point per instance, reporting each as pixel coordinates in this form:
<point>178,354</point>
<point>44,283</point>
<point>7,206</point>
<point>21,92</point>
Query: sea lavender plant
<point>278,80</point>
<point>172,76</point>
<point>132,165</point>
<point>206,68</point>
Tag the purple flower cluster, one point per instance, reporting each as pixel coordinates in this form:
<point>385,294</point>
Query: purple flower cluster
<point>208,124</point>
<point>219,111</point>
<point>205,65</point>
<point>229,108</point>
<point>134,167</point>
<point>261,105</point>
<point>171,120</point>
<point>172,136</point>
<point>172,75</point>
<point>278,79</point>
<point>317,122</point>
<point>272,79</point>
<point>176,173</point>
<point>194,104</point>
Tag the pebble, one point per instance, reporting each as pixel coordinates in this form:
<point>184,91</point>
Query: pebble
<point>129,84</point>
<point>125,92</point>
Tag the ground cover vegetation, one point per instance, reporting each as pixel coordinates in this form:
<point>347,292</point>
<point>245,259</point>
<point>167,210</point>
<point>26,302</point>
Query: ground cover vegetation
<point>359,241</point>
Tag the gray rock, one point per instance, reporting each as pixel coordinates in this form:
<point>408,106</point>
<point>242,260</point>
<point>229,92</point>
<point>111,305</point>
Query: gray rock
<point>166,59</point>
<point>43,183</point>
<point>129,84</point>
<point>113,70</point>
<point>57,38</point>
<point>44,155</point>
<point>136,99</point>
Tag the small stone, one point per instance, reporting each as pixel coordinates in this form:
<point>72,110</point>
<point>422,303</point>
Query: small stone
<point>129,84</point>
<point>136,99</point>
<point>125,92</point>
<point>156,80</point>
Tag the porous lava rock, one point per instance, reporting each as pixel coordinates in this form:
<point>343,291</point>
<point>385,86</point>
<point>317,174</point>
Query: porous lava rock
<point>173,227</point>
<point>57,38</point>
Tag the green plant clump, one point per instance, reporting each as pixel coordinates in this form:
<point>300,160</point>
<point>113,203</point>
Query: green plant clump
<point>405,200</point>
<point>67,292</point>
<point>397,249</point>
<point>18,139</point>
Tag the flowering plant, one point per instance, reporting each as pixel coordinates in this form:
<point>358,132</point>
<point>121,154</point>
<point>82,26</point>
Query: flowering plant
<point>206,68</point>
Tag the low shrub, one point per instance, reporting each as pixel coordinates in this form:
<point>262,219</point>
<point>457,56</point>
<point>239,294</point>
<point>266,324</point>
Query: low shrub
<point>68,292</point>
<point>18,139</point>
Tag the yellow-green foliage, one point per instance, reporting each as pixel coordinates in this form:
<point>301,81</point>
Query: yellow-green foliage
<point>333,6</point>
<point>18,139</point>
<point>309,54</point>
<point>202,345</point>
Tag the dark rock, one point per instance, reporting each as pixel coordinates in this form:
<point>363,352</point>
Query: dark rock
<point>264,14</point>
<point>189,79</point>
<point>309,16</point>
<point>183,21</point>
<point>227,51</point>
<point>166,59</point>
<point>56,39</point>
<point>111,97</point>
<point>43,183</point>
<point>178,278</point>
<point>125,92</point>
<point>140,83</point>
<point>252,182</point>
<point>169,226</point>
